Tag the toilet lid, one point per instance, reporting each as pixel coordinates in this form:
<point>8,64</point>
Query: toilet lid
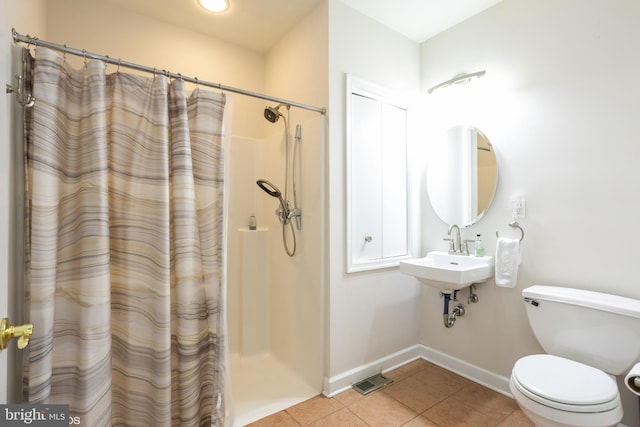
<point>565,382</point>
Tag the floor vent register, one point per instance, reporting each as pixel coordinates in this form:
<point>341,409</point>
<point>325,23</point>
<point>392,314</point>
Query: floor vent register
<point>370,384</point>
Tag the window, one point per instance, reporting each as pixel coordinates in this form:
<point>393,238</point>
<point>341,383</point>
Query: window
<point>377,184</point>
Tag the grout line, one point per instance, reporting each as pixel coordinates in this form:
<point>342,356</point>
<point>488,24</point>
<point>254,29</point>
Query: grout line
<point>408,373</point>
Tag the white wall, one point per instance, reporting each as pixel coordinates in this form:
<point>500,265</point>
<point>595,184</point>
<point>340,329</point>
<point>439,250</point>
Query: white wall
<point>560,103</point>
<point>371,314</point>
<point>108,30</point>
<point>296,67</point>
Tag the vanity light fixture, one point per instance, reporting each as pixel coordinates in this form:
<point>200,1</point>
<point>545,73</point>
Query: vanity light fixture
<point>458,79</point>
<point>215,5</point>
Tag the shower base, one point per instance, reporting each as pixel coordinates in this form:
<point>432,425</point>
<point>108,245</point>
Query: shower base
<point>263,385</point>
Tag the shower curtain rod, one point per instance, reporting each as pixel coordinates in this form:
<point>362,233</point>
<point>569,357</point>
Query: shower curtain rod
<point>63,48</point>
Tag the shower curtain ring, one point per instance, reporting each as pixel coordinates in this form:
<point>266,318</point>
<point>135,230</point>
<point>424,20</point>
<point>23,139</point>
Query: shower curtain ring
<point>84,56</point>
<point>35,41</point>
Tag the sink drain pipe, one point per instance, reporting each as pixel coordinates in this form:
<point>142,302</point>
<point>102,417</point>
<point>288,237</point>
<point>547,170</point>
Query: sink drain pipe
<point>458,310</point>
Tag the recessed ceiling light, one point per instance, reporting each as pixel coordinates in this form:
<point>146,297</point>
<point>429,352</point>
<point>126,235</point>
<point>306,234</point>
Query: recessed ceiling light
<point>215,5</point>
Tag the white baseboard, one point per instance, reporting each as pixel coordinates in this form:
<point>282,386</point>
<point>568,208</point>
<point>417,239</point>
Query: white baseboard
<point>343,381</point>
<point>475,373</point>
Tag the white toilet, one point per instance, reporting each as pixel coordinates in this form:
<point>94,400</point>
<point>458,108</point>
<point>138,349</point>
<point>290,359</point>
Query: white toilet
<point>590,337</point>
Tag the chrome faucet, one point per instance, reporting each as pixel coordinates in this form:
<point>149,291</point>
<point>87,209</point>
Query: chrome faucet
<point>455,245</point>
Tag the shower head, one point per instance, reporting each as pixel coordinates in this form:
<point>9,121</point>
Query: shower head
<point>283,212</point>
<point>268,187</point>
<point>272,113</point>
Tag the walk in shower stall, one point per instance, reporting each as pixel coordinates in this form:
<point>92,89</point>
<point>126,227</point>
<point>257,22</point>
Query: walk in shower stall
<point>274,299</point>
<point>274,293</point>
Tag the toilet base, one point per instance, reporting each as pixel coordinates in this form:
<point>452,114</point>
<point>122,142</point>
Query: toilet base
<point>544,416</point>
<point>542,422</point>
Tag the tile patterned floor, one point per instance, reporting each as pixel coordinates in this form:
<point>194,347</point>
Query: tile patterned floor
<point>421,395</point>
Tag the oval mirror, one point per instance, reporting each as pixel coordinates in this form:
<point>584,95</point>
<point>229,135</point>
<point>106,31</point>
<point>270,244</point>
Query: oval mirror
<point>462,176</point>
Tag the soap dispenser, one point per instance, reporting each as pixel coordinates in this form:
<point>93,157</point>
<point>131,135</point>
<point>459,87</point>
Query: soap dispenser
<point>479,248</point>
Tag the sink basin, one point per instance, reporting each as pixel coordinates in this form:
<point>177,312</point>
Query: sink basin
<point>449,272</point>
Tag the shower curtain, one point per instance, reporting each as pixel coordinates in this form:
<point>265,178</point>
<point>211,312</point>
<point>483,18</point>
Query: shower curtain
<point>124,247</point>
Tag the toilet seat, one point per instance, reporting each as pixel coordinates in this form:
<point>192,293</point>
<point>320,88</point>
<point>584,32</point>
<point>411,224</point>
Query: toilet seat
<point>565,384</point>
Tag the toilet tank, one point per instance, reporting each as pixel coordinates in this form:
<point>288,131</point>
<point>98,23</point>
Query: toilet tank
<point>600,330</point>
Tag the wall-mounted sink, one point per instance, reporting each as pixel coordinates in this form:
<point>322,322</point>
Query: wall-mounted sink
<point>449,272</point>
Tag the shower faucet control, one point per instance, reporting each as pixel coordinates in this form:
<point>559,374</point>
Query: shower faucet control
<point>298,215</point>
<point>288,210</point>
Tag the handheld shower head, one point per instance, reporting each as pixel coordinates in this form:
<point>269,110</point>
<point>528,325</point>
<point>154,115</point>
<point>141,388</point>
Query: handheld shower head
<point>269,188</point>
<point>283,212</point>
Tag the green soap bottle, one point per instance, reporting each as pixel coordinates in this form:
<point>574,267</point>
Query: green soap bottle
<point>479,248</point>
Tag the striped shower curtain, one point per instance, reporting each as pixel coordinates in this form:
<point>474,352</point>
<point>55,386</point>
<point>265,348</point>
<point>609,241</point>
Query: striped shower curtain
<point>124,247</point>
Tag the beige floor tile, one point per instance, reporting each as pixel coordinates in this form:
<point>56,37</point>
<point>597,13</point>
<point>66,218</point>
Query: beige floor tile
<point>415,394</point>
<point>341,418</point>
<point>517,419</point>
<point>453,413</point>
<point>486,400</point>
<point>348,397</point>
<point>380,410</point>
<point>441,379</point>
<point>422,395</point>
<point>314,409</point>
<point>420,421</point>
<point>407,370</point>
<point>279,419</point>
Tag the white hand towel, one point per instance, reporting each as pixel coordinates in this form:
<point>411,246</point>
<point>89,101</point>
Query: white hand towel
<point>507,261</point>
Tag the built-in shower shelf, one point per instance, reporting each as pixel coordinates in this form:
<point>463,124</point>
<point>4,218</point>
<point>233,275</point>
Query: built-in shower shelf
<point>370,384</point>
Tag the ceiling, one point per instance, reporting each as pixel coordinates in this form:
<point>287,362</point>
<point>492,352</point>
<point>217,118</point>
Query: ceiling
<point>420,19</point>
<point>259,24</point>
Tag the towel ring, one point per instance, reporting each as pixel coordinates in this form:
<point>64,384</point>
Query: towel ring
<point>515,224</point>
